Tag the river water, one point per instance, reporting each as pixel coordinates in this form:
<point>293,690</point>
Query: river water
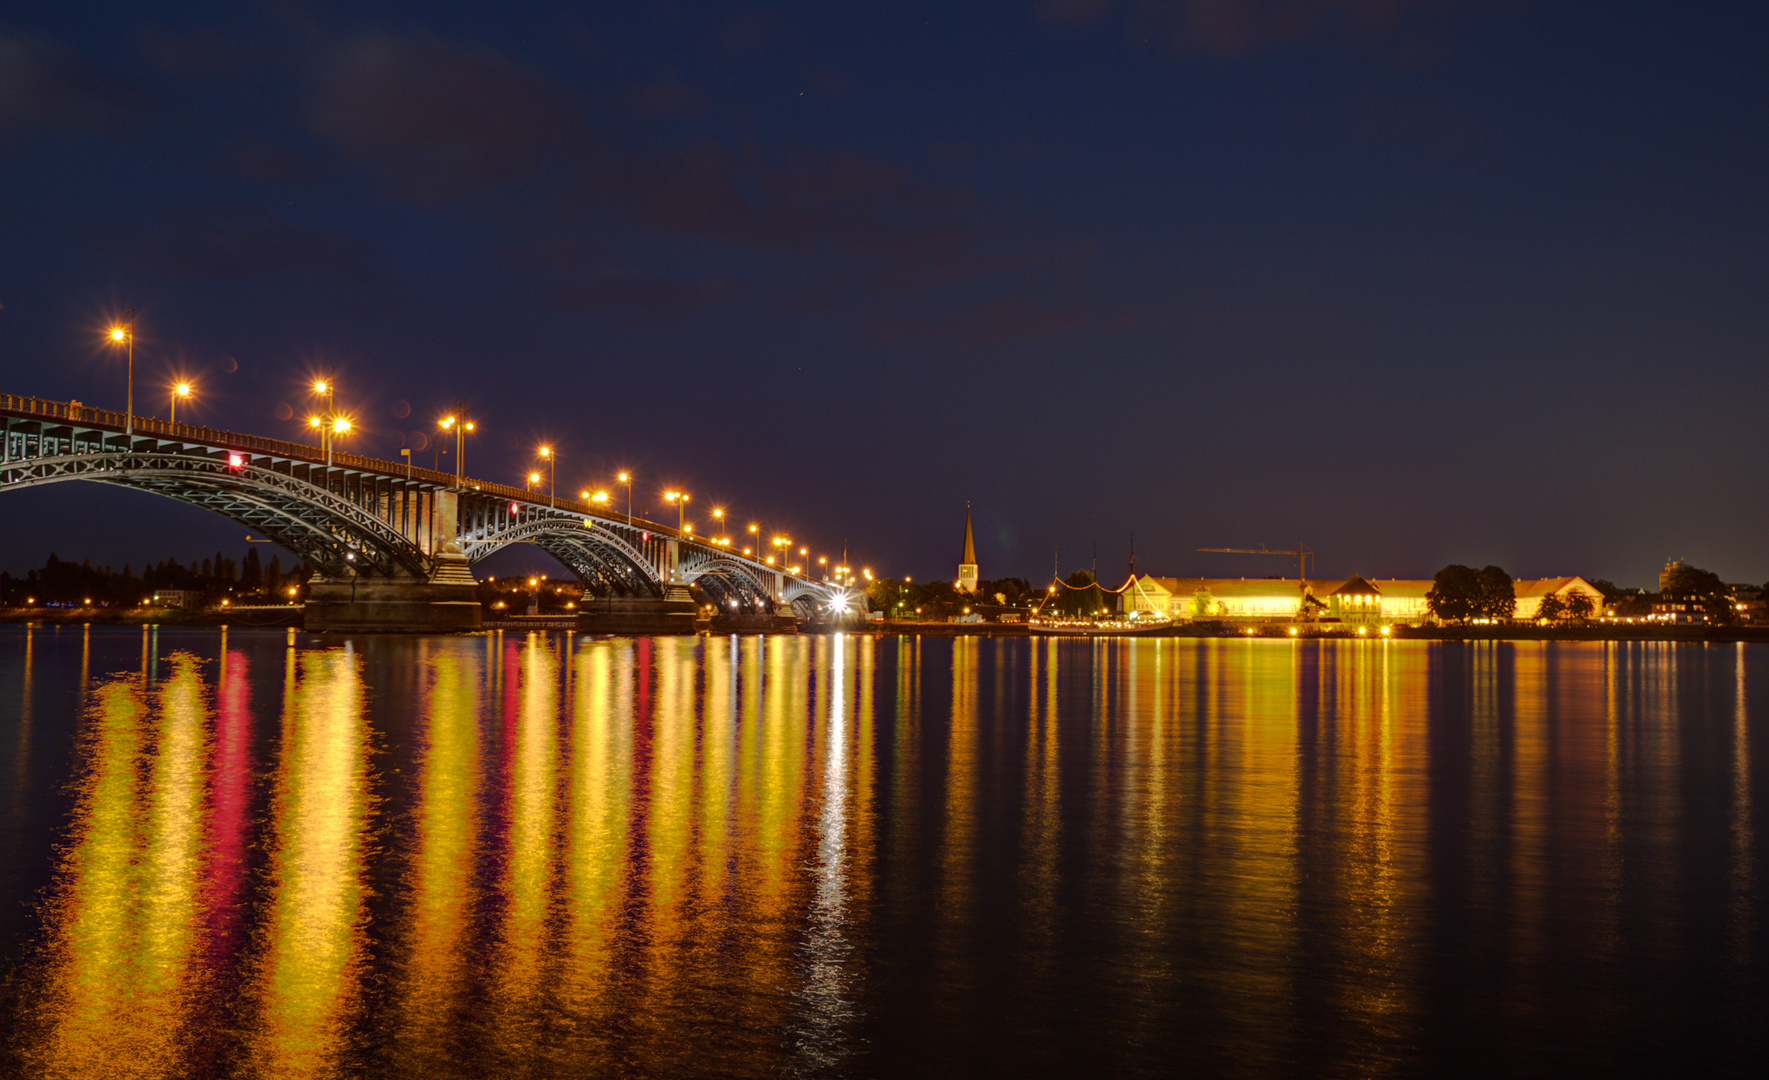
<point>256,853</point>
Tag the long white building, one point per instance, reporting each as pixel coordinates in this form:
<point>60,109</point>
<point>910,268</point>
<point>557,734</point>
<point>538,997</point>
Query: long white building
<point>1355,600</point>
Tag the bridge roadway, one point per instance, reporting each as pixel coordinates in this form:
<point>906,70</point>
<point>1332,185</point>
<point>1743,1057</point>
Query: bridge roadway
<point>392,545</point>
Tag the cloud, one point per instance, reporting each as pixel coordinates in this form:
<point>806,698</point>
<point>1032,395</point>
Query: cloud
<point>231,240</point>
<point>438,121</point>
<point>193,54</point>
<point>790,199</point>
<point>270,161</point>
<point>749,31</point>
<point>1008,321</point>
<point>43,85</point>
<point>1232,27</point>
<point>643,297</point>
<point>666,95</point>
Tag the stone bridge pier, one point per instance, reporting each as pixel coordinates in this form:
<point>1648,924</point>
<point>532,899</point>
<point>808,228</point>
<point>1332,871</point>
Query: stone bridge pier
<point>444,601</point>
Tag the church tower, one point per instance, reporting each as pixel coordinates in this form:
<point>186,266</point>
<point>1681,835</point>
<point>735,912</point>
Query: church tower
<point>967,565</point>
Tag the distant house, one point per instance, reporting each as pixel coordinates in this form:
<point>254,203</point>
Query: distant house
<point>178,598</point>
<point>1531,593</point>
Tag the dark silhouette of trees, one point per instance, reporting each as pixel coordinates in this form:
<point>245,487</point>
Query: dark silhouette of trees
<point>1460,593</point>
<point>60,582</point>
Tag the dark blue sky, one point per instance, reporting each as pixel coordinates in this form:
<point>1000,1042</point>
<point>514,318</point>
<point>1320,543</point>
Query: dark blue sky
<point>1412,283</point>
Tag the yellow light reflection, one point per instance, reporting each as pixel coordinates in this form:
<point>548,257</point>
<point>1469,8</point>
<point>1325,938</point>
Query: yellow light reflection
<point>124,931</point>
<point>313,932</point>
<point>437,972</point>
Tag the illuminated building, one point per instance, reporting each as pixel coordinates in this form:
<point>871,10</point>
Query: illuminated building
<point>1354,600</point>
<point>967,565</point>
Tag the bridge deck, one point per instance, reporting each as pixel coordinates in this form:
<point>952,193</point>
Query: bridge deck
<point>73,413</point>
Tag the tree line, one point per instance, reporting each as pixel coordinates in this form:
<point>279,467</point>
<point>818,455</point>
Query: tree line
<point>61,582</point>
<point>902,599</point>
<point>1460,594</point>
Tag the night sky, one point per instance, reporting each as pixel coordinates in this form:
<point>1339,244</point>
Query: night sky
<point>1412,283</point>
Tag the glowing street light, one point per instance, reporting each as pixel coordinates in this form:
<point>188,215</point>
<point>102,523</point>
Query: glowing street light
<point>461,423</point>
<point>120,335</point>
<point>627,479</point>
<point>552,464</point>
<point>180,389</point>
<point>680,498</point>
<point>330,423</point>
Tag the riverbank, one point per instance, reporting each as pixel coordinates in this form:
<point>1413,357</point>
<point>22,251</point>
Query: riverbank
<point>273,615</point>
<point>1521,632</point>
<point>1593,632</point>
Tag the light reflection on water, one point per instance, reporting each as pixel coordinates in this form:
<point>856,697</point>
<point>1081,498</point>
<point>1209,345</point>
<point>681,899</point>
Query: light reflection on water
<point>560,856</point>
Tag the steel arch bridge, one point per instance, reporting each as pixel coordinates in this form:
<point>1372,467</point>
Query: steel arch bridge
<point>362,520</point>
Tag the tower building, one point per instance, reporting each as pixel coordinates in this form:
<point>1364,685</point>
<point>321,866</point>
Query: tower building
<point>967,564</point>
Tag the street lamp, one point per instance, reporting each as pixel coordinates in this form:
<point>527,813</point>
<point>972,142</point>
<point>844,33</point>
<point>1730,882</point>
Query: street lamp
<point>180,389</point>
<point>552,464</point>
<point>719,516</point>
<point>461,423</point>
<point>329,429</point>
<point>680,498</point>
<point>121,335</point>
<point>533,479</point>
<point>627,479</point>
<point>330,424</point>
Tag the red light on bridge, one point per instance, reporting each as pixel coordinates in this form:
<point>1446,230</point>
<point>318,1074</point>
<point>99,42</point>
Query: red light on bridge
<point>645,536</point>
<point>512,508</point>
<point>236,461</point>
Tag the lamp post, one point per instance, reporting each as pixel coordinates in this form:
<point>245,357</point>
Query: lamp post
<point>552,464</point>
<point>330,428</point>
<point>126,334</point>
<point>719,516</point>
<point>461,423</point>
<point>754,531</point>
<point>329,423</point>
<point>533,479</point>
<point>627,479</point>
<point>680,498</point>
<point>180,389</point>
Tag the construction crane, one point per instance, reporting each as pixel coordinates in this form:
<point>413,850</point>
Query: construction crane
<point>1301,553</point>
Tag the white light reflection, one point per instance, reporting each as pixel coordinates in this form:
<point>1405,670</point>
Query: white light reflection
<point>829,1009</point>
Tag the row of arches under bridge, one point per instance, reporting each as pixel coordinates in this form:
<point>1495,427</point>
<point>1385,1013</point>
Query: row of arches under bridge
<point>614,559</point>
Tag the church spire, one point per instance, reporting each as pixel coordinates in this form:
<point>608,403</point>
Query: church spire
<point>967,566</point>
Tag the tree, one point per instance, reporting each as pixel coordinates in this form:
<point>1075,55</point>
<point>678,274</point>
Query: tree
<point>1009,590</point>
<point>1580,606</point>
<point>1703,590</point>
<point>1498,597</point>
<point>1455,594</point>
<point>1552,607</point>
<point>1632,604</point>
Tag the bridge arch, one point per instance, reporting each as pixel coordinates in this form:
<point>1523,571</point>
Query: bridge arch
<point>325,530</point>
<point>604,561</point>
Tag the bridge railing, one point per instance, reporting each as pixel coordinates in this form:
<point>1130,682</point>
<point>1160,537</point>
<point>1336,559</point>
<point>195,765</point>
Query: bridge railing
<point>74,412</point>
